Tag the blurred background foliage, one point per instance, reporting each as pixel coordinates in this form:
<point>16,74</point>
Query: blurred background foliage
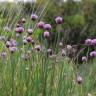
<point>79,17</point>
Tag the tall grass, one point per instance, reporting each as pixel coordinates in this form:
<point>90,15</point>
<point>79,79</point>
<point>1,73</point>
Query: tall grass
<point>28,72</point>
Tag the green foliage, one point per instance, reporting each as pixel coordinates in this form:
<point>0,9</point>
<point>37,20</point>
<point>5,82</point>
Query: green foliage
<point>75,21</point>
<point>45,76</point>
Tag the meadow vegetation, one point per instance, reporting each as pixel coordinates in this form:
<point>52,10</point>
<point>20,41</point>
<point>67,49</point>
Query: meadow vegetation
<point>48,49</point>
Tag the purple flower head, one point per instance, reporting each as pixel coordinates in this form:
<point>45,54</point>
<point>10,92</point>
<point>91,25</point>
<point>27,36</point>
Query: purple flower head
<point>47,27</point>
<point>18,25</point>
<point>25,41</point>
<point>8,44</point>
<point>59,20</point>
<point>13,42</point>
<point>93,42</point>
<point>38,47</point>
<point>46,34</point>
<point>49,51</point>
<point>25,57</point>
<point>12,49</point>
<point>23,20</point>
<point>88,41</point>
<point>29,39</point>
<point>33,42</point>
<point>30,31</point>
<point>93,54</point>
<point>84,58</point>
<point>3,54</point>
<point>40,24</point>
<point>79,79</point>
<point>19,30</point>
<point>34,17</point>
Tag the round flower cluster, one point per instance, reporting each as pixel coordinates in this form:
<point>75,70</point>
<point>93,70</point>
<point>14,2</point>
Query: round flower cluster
<point>84,58</point>
<point>11,45</point>
<point>3,54</point>
<point>30,31</point>
<point>93,54</point>
<point>46,34</point>
<point>38,48</point>
<point>27,39</point>
<point>34,17</point>
<point>49,51</point>
<point>79,79</point>
<point>59,20</point>
<point>90,41</point>
<point>40,25</point>
<point>19,30</point>
<point>23,20</point>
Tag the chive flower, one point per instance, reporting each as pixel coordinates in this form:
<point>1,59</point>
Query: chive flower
<point>40,24</point>
<point>34,17</point>
<point>47,27</point>
<point>46,34</point>
<point>58,20</point>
